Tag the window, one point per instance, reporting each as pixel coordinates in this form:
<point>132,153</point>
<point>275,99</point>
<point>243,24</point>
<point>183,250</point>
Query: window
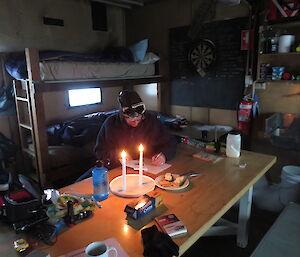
<point>99,16</point>
<point>80,97</point>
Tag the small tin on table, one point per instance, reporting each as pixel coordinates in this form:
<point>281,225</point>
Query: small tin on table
<point>143,205</point>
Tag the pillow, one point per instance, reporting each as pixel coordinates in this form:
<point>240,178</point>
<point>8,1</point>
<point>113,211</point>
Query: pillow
<point>150,58</point>
<point>139,50</point>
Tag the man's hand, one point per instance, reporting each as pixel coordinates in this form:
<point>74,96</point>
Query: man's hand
<point>158,159</point>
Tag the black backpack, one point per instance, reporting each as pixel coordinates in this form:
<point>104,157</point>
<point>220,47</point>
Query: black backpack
<point>22,203</point>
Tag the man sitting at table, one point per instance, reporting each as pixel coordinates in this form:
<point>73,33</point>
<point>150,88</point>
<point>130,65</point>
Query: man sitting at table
<point>129,128</point>
<point>132,126</point>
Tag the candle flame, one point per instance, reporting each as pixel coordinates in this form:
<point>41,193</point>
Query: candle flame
<point>141,148</point>
<point>123,154</point>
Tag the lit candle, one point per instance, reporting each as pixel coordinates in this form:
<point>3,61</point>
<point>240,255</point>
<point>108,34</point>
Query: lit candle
<point>123,155</point>
<point>141,149</point>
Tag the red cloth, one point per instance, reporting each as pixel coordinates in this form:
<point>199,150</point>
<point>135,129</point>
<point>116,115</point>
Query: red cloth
<point>290,7</point>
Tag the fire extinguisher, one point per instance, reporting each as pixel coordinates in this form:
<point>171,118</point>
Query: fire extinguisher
<point>244,114</point>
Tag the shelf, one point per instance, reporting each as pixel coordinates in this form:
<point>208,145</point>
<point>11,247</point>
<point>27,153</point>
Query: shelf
<point>280,54</point>
<point>278,95</point>
<point>285,22</point>
<point>279,81</point>
<point>291,61</point>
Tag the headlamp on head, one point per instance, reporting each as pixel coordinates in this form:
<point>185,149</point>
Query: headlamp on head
<point>134,110</point>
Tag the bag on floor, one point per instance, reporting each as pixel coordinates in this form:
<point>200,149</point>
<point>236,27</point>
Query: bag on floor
<point>21,205</point>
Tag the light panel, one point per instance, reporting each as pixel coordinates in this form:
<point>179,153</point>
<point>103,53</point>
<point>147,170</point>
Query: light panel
<point>79,97</point>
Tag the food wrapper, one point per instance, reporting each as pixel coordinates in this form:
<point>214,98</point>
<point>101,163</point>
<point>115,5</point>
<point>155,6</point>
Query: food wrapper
<point>52,194</point>
<point>80,204</point>
<point>20,245</point>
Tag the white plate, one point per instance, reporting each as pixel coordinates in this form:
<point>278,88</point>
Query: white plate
<point>133,189</point>
<point>161,177</point>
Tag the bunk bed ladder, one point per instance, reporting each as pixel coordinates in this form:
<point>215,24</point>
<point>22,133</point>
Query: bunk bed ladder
<point>31,117</point>
<point>24,116</point>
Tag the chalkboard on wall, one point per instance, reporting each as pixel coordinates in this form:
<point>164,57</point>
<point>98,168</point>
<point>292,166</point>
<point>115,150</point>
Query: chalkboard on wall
<point>223,83</point>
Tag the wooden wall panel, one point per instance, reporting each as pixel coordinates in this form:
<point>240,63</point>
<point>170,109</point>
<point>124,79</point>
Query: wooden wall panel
<point>206,115</point>
<point>200,114</point>
<point>184,111</point>
<point>280,97</point>
<point>222,117</point>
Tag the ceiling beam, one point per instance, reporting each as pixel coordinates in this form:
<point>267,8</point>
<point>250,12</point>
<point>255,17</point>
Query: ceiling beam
<point>132,2</point>
<point>113,3</point>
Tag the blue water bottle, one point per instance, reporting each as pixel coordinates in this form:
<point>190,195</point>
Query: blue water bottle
<point>100,183</point>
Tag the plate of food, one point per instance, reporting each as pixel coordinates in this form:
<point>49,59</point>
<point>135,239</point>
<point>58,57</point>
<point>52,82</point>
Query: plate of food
<point>170,181</point>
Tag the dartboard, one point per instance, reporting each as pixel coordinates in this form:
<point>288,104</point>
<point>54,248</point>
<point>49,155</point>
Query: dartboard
<point>202,56</point>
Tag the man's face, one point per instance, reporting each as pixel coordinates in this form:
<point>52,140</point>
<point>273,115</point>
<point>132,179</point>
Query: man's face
<point>133,122</point>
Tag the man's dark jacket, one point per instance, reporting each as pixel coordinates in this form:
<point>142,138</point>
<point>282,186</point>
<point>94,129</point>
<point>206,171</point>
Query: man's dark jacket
<point>115,135</point>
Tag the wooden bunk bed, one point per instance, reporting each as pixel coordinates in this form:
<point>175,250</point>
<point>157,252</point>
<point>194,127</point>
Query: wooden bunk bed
<point>31,113</point>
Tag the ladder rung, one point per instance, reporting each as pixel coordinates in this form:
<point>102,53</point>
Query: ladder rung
<point>25,126</point>
<point>22,99</point>
<point>28,151</point>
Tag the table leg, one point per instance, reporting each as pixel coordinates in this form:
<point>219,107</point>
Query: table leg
<point>243,220</point>
<point>240,229</point>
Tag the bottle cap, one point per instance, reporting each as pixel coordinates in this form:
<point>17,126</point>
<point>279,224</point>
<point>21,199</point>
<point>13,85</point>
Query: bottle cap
<point>99,163</point>
<point>234,132</point>
<point>102,163</point>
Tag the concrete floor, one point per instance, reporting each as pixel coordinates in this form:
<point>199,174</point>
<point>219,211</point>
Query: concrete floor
<point>225,246</point>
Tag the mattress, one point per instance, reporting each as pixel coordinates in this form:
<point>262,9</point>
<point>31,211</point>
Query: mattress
<point>93,70</point>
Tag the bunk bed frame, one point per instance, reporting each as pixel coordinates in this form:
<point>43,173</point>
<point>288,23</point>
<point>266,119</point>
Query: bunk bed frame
<point>31,113</point>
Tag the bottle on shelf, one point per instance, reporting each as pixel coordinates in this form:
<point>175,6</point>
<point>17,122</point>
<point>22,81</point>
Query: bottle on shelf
<point>264,37</point>
<point>267,36</point>
<point>274,42</point>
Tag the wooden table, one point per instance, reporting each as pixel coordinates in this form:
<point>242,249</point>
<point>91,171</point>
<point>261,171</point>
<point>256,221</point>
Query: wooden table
<point>199,206</point>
